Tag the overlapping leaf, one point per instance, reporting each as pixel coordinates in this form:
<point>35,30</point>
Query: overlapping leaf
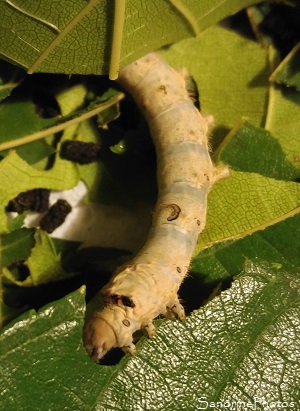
<point>47,342</point>
<point>10,77</point>
<point>281,121</point>
<point>288,70</point>
<point>223,352</point>
<point>278,243</point>
<point>75,37</point>
<point>252,149</point>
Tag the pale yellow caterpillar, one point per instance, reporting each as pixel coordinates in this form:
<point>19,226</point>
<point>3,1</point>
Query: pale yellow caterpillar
<point>147,286</point>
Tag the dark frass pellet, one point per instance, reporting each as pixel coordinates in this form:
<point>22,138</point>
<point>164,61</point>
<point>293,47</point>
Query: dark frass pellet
<point>55,216</point>
<point>33,200</point>
<point>80,152</point>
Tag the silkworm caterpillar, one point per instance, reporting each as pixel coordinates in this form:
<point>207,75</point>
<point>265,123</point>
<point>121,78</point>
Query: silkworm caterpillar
<point>147,286</point>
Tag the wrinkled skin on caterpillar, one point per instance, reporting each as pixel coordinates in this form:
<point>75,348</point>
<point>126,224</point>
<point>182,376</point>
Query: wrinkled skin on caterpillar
<point>147,286</point>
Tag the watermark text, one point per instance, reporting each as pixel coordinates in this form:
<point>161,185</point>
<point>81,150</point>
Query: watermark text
<point>256,404</point>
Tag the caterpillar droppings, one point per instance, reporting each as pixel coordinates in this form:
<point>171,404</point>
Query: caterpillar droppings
<point>147,287</point>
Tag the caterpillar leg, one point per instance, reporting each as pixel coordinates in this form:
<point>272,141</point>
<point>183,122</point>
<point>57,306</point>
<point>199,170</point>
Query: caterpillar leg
<point>175,310</point>
<point>150,329</point>
<point>131,349</point>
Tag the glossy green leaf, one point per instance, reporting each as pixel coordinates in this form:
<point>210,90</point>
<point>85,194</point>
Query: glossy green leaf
<point>50,362</point>
<point>24,125</point>
<point>23,118</point>
<point>8,313</point>
<point>36,249</point>
<point>17,222</point>
<point>37,152</point>
<point>240,346</point>
<point>256,15</point>
<point>252,149</point>
<point>44,262</point>
<point>76,37</point>
<point>245,203</point>
<point>10,77</point>
<point>71,102</point>
<point>278,243</point>
<point>16,246</point>
<point>282,120</point>
<point>18,117</point>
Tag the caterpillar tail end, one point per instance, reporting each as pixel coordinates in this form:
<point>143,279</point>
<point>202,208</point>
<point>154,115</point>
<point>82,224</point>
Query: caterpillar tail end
<point>98,338</point>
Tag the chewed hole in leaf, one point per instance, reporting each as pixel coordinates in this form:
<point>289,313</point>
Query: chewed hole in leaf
<point>46,105</point>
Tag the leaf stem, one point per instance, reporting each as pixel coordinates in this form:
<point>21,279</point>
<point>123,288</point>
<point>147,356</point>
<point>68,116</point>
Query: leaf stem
<point>273,63</point>
<point>59,127</point>
<point>119,18</point>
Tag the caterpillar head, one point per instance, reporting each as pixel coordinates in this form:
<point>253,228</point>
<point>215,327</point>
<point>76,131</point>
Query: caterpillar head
<point>98,337</point>
<point>107,329</point>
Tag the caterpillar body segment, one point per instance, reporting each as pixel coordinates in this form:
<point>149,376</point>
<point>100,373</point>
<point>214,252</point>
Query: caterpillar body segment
<point>147,286</point>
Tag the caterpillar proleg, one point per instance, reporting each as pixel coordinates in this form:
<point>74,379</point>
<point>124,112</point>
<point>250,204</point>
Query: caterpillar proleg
<point>147,286</point>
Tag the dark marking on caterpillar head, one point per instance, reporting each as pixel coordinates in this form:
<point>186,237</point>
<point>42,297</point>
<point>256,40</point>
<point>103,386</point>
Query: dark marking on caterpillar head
<point>126,322</point>
<point>198,222</point>
<point>207,177</point>
<point>175,211</point>
<point>122,300</point>
<point>178,269</point>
